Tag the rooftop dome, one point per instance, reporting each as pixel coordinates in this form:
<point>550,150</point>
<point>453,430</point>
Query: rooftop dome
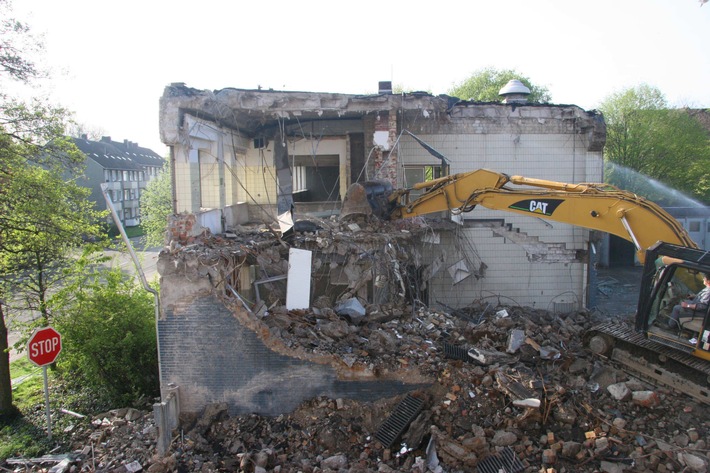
<point>514,92</point>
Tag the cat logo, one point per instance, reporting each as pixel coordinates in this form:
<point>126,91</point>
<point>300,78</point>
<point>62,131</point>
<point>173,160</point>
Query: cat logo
<point>537,206</point>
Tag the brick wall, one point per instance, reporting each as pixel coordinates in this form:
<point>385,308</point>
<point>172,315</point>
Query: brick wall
<point>213,358</point>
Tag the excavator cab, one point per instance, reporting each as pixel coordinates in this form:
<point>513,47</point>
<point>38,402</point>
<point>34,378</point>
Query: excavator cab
<point>676,356</point>
<point>673,274</point>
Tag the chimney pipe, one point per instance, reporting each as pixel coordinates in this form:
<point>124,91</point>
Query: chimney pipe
<point>385,87</point>
<point>514,92</point>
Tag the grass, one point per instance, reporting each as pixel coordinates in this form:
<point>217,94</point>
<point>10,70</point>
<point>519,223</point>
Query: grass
<point>131,232</point>
<point>22,438</point>
<point>25,435</point>
<point>23,367</point>
<point>29,391</point>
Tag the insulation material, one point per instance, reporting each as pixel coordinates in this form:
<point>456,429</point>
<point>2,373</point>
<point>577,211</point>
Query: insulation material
<point>381,139</point>
<point>298,289</point>
<point>286,222</point>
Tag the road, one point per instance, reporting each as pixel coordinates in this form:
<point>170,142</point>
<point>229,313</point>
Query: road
<point>148,259</point>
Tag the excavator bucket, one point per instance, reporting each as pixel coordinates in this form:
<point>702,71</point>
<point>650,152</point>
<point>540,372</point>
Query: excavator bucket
<point>368,198</point>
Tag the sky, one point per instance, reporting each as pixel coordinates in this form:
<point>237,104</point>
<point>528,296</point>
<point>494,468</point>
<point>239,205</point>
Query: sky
<point>110,61</point>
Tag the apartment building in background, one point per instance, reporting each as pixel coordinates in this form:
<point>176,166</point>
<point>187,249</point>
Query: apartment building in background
<point>126,167</point>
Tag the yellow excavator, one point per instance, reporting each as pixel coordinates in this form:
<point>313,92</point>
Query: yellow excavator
<point>677,355</point>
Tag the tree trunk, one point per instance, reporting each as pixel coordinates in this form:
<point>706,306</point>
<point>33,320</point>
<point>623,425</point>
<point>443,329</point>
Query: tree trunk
<point>7,410</point>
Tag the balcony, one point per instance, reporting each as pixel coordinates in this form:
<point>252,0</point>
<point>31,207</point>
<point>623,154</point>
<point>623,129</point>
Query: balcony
<point>114,185</point>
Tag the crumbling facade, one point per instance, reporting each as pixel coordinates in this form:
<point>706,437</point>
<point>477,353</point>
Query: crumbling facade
<point>245,157</point>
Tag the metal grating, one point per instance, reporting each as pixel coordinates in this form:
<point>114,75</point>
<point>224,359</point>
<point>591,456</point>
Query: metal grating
<point>504,461</point>
<point>455,352</point>
<point>403,415</point>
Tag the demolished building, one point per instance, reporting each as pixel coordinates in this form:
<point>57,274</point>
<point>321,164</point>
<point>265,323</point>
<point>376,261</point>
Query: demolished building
<point>233,283</point>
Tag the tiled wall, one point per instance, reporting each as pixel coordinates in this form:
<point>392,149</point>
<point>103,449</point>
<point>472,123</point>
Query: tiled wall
<point>212,357</point>
<point>514,276</point>
<point>510,277</point>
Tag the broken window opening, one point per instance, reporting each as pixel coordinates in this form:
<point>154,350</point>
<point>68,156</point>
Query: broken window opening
<point>316,178</point>
<point>416,174</point>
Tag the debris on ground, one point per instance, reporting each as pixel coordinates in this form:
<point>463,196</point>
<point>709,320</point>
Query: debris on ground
<point>511,389</point>
<point>519,390</point>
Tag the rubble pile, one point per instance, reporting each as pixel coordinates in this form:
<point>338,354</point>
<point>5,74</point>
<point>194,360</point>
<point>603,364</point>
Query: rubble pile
<point>505,388</point>
<point>521,381</point>
<point>513,385</point>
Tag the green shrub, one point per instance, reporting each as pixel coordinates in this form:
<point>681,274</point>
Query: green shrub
<point>109,344</point>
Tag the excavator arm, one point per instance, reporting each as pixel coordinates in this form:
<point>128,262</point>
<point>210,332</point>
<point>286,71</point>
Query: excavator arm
<point>594,206</point>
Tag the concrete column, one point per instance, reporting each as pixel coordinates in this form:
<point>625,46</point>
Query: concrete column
<point>193,169</point>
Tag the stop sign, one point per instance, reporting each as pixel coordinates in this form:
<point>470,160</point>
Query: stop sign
<point>43,346</point>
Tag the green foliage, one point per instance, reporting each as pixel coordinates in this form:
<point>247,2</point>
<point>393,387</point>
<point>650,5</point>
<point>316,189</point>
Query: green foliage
<point>662,143</point>
<point>109,340</point>
<point>42,215</point>
<point>156,207</point>
<point>21,437</point>
<point>43,218</point>
<point>25,435</point>
<point>485,84</point>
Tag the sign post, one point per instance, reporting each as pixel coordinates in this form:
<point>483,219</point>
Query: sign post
<point>43,347</point>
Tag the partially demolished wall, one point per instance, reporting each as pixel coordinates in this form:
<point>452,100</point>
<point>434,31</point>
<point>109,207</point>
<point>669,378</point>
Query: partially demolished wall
<point>220,344</point>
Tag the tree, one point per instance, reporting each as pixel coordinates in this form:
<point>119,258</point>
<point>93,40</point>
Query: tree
<point>484,86</point>
<point>77,130</point>
<point>646,138</point>
<point>399,89</point>
<point>42,215</point>
<point>16,43</point>
<point>16,67</point>
<point>43,218</point>
<point>50,221</point>
<point>157,206</point>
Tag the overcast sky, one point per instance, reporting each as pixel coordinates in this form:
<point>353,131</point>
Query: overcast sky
<point>111,60</point>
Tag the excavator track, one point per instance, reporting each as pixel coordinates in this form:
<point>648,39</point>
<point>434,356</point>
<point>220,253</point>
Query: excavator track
<point>655,360</point>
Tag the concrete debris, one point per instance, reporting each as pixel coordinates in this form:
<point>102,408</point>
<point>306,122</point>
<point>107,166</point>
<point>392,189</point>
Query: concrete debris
<point>352,309</point>
<point>515,340</point>
<point>534,391</point>
<point>542,409</point>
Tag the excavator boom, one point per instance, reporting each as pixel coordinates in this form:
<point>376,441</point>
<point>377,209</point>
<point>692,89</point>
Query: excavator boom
<point>594,206</point>
<point>676,354</point>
